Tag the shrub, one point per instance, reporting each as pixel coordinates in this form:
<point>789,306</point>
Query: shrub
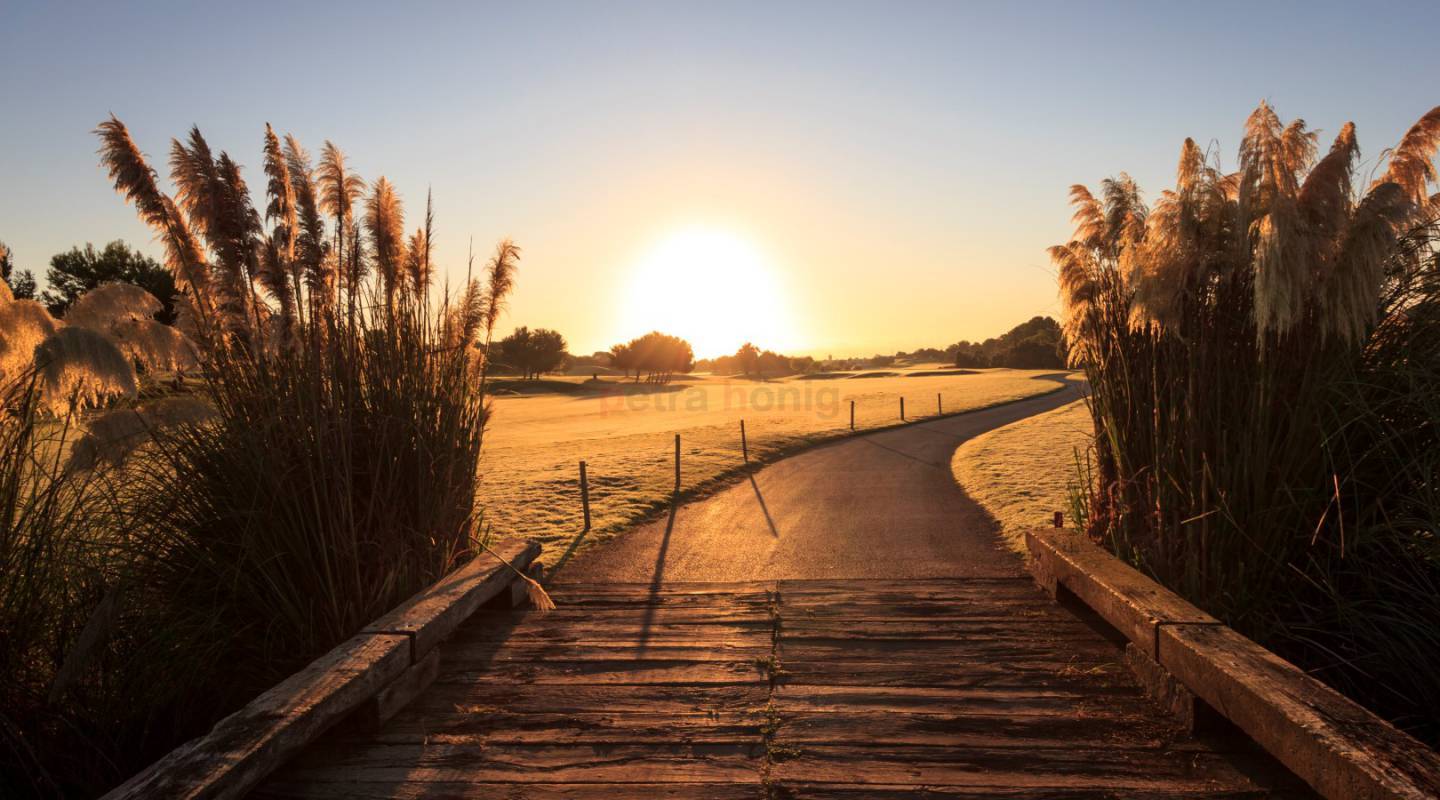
<point>1261,348</point>
<point>191,552</point>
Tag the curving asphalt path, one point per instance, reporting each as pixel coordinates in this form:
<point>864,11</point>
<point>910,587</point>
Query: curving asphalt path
<point>880,505</point>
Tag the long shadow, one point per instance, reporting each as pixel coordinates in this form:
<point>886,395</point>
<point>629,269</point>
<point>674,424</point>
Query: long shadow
<point>657,578</point>
<point>774,531</point>
<point>870,441</point>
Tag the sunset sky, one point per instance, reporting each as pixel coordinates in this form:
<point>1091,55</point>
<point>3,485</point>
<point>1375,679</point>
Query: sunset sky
<point>826,178</point>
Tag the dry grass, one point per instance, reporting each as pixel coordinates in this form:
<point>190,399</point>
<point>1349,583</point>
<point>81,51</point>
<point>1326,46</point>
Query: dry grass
<point>530,484</point>
<point>1023,473</point>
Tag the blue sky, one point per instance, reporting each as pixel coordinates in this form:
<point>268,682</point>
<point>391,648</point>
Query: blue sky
<point>900,166</point>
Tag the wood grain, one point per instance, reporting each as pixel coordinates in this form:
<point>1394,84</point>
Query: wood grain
<point>844,689</point>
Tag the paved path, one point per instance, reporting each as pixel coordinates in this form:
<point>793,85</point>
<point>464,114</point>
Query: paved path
<point>881,505</point>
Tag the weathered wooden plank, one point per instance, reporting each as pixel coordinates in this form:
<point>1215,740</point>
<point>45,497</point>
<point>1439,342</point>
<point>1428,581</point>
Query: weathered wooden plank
<point>471,697</point>
<point>1079,700</point>
<point>420,763</point>
<point>672,588</point>
<point>538,651</point>
<point>1132,603</point>
<point>1054,672</point>
<point>1029,598</point>
<point>600,595</point>
<point>833,791</point>
<point>627,671</point>
<point>585,728</point>
<point>867,645</point>
<point>636,634</point>
<point>248,745</point>
<point>397,694</point>
<point>922,629</point>
<point>572,623</point>
<point>994,730</point>
<point>468,790</point>
<point>1106,769</point>
<point>887,587</point>
<point>1338,747</point>
<point>433,614</point>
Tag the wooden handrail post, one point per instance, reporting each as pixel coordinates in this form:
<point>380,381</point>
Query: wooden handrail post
<point>585,494</point>
<point>744,446</point>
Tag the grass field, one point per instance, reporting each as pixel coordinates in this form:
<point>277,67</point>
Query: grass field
<point>1022,473</point>
<point>625,432</point>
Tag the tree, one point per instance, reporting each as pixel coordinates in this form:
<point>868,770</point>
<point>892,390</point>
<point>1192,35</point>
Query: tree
<point>747,358</point>
<point>532,353</point>
<point>78,271</point>
<point>771,363</point>
<point>22,283</point>
<point>1034,344</point>
<point>622,358</point>
<point>658,355</point>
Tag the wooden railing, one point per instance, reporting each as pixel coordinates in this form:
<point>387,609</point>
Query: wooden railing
<point>1183,655</point>
<point>371,675</point>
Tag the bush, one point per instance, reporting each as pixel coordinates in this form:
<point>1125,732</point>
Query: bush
<point>180,563</point>
<point>1261,349</point>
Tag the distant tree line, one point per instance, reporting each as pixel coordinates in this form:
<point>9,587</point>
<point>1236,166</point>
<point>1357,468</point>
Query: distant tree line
<point>752,362</point>
<point>1035,344</point>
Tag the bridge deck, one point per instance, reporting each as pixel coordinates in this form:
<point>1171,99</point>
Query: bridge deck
<point>781,689</point>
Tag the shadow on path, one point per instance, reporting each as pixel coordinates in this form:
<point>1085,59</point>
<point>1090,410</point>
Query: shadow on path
<point>916,459</point>
<point>769,520</point>
<point>657,579</point>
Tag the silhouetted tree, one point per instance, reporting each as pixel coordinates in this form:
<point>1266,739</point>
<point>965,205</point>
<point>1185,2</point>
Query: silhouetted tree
<point>657,355</point>
<point>78,271</point>
<point>1034,344</point>
<point>623,359</point>
<point>747,359</point>
<point>22,283</point>
<point>532,353</point>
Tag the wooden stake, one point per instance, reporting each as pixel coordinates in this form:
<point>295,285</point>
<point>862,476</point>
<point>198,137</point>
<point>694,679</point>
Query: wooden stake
<point>744,447</point>
<point>939,409</point>
<point>1059,519</point>
<point>852,415</point>
<point>677,463</point>
<point>902,408</point>
<point>585,494</point>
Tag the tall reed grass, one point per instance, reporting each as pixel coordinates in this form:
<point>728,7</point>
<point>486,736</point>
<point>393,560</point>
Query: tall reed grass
<point>1261,350</point>
<point>199,550</point>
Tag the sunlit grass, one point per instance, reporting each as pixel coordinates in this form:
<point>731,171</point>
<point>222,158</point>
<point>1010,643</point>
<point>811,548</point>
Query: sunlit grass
<point>1024,472</point>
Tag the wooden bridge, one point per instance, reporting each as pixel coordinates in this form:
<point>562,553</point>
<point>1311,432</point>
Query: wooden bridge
<point>947,673</point>
<point>782,689</point>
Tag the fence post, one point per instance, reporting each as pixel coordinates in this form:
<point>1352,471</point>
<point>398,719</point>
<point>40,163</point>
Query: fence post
<point>744,447</point>
<point>902,408</point>
<point>939,409</point>
<point>1059,519</point>
<point>852,415</point>
<point>585,494</point>
<point>677,463</point>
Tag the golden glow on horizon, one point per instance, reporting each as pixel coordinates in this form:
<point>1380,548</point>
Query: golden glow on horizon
<point>711,288</point>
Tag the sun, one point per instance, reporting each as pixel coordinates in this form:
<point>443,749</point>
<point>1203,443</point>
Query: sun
<point>712,288</point>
